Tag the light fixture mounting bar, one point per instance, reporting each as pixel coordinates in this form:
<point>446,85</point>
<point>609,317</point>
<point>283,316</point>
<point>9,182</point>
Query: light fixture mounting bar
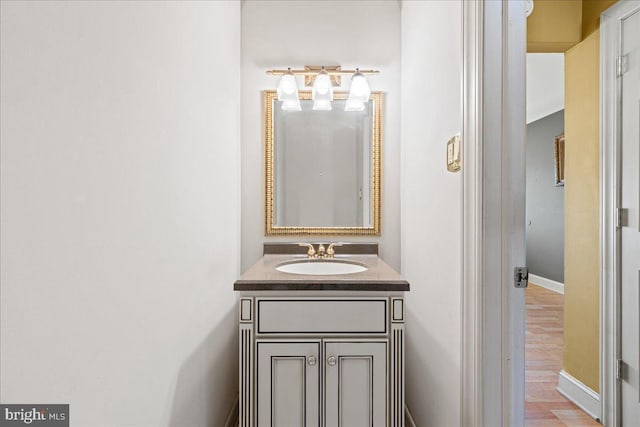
<point>313,73</point>
<point>310,72</point>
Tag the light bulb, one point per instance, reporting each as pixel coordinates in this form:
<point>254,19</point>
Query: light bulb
<point>359,88</point>
<point>287,85</point>
<point>359,92</point>
<point>322,83</point>
<point>322,91</point>
<point>288,88</point>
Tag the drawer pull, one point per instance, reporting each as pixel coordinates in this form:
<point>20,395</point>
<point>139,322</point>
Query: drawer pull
<point>311,360</point>
<point>331,360</point>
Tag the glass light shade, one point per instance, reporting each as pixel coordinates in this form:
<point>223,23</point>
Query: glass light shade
<point>354,105</point>
<point>321,105</point>
<point>291,105</point>
<point>359,90</point>
<point>288,88</point>
<point>322,88</point>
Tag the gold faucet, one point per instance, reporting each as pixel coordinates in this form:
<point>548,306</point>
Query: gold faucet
<point>311,253</point>
<point>321,251</point>
<point>330,251</point>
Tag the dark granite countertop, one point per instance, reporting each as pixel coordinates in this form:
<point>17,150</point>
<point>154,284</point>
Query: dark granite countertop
<point>263,276</point>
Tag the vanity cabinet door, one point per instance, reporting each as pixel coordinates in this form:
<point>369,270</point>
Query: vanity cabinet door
<point>356,384</point>
<point>288,383</point>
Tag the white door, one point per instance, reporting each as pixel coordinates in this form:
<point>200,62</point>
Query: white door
<point>356,384</point>
<point>630,232</point>
<point>288,384</point>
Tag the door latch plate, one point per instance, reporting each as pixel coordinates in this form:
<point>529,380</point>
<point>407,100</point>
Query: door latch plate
<point>520,277</point>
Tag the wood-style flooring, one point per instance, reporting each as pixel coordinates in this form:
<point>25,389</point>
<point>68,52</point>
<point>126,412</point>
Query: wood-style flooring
<point>544,406</point>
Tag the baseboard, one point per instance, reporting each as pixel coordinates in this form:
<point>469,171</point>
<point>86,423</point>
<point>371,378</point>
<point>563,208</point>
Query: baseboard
<point>543,282</point>
<point>578,393</point>
<point>408,419</point>
<point>232,418</point>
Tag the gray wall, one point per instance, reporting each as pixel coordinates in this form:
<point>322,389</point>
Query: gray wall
<point>545,201</point>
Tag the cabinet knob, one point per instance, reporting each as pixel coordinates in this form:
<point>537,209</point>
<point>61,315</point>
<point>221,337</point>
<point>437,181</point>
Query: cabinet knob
<point>311,360</point>
<point>331,360</point>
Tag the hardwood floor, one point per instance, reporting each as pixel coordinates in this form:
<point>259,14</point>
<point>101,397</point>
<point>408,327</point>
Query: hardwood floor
<point>544,406</point>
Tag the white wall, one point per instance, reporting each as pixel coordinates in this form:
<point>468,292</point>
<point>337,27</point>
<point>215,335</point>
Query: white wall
<point>432,208</point>
<point>545,84</point>
<point>351,33</point>
<point>120,209</point>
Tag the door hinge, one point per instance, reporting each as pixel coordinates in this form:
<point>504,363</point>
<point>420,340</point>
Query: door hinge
<point>622,64</point>
<point>520,277</point>
<point>619,370</point>
<point>622,217</point>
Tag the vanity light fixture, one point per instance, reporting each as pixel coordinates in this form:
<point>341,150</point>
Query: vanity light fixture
<point>358,93</point>
<point>288,92</point>
<point>322,91</point>
<point>322,79</point>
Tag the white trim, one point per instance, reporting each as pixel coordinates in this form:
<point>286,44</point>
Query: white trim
<point>543,282</point>
<point>232,417</point>
<point>574,390</point>
<point>408,419</point>
<point>513,208</point>
<point>610,96</point>
<point>471,298</point>
<point>494,48</point>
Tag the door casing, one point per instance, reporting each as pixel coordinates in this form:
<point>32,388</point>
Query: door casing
<point>492,378</point>
<point>610,144</point>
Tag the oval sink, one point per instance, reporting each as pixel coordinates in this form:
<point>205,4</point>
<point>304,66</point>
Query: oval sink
<point>321,268</point>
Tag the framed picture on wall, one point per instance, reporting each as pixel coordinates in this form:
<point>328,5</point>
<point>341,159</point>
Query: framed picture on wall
<point>559,160</point>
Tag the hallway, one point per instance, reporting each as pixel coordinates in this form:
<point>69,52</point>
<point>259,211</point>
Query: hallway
<point>544,406</point>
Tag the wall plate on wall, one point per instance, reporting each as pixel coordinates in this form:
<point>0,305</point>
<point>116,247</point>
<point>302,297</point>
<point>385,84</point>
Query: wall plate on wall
<point>453,154</point>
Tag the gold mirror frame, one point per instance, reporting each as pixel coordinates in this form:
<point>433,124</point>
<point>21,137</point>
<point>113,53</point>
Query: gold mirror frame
<point>269,96</point>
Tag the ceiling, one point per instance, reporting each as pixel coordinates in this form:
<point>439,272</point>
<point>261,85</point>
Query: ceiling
<point>545,84</point>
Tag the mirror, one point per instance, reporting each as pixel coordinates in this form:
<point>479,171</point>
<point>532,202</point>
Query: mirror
<point>322,168</point>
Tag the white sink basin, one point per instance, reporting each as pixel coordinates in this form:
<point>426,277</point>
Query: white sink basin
<point>321,267</point>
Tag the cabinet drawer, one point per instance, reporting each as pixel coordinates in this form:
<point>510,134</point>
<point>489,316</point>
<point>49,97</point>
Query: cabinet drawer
<point>326,316</point>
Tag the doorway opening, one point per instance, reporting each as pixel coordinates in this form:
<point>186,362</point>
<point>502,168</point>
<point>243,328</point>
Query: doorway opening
<point>546,401</point>
<point>562,352</point>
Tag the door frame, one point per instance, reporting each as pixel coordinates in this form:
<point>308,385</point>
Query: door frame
<point>492,374</point>
<point>471,373</point>
<point>610,144</point>
<point>485,31</point>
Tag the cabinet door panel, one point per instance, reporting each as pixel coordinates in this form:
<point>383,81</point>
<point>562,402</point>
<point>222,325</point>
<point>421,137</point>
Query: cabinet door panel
<point>356,384</point>
<point>288,384</point>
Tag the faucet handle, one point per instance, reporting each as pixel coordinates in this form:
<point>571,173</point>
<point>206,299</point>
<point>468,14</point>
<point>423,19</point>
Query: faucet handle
<point>330,251</point>
<point>311,252</point>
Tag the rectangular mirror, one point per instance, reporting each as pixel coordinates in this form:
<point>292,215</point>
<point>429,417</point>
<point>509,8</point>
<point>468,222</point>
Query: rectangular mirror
<point>322,168</point>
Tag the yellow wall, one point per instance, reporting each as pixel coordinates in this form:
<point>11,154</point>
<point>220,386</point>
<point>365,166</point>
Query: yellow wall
<point>554,25</point>
<point>572,26</point>
<point>581,307</point>
<point>591,10</point>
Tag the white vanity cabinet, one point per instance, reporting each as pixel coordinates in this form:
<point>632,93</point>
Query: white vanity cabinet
<point>318,360</point>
